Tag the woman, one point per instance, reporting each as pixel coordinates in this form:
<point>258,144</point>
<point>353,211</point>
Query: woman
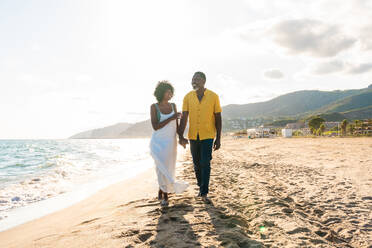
<point>163,144</point>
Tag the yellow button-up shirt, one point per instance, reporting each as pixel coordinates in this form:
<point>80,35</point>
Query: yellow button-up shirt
<point>201,114</point>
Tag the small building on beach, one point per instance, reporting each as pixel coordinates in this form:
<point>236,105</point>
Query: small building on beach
<point>364,128</point>
<point>287,132</point>
<point>259,132</point>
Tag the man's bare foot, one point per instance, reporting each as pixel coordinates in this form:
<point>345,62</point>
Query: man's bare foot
<point>206,199</point>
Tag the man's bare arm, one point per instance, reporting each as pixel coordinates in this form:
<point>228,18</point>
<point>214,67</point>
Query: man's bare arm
<point>183,123</point>
<point>218,124</point>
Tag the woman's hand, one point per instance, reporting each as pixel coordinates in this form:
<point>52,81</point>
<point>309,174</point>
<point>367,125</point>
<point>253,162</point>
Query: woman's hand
<point>174,117</point>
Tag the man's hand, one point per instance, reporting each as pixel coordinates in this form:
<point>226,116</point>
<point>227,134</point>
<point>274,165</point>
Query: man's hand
<point>217,144</point>
<point>183,142</point>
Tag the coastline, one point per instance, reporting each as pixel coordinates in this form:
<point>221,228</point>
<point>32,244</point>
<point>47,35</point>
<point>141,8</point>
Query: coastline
<point>42,208</point>
<point>104,201</point>
<point>48,175</point>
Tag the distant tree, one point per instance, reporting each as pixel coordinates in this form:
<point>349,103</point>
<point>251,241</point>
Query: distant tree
<point>318,132</point>
<point>343,127</point>
<point>335,128</point>
<point>316,122</point>
<point>357,123</point>
<point>350,129</point>
<point>312,130</point>
<point>297,133</point>
<point>322,128</point>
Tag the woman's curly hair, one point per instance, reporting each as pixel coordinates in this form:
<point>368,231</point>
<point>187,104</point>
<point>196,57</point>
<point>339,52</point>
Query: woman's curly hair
<point>161,88</point>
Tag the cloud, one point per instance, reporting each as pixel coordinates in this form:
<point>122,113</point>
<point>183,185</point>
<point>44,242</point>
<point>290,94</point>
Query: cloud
<point>366,38</point>
<point>78,98</point>
<point>35,47</point>
<point>310,37</point>
<point>273,74</point>
<point>233,91</point>
<point>361,68</point>
<point>328,67</point>
<point>340,66</point>
<point>136,113</point>
<point>83,78</point>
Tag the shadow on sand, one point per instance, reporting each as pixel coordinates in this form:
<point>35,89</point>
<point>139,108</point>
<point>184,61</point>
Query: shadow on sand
<point>192,223</point>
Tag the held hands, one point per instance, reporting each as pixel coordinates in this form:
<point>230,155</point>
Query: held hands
<point>183,142</point>
<point>176,116</point>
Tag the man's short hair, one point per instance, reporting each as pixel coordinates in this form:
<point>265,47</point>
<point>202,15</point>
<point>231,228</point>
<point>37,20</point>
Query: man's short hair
<point>201,74</point>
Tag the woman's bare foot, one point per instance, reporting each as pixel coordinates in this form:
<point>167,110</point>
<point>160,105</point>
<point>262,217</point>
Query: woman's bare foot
<point>160,195</point>
<point>165,196</point>
<point>165,201</point>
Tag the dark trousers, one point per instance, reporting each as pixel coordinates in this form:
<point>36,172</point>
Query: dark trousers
<point>201,151</point>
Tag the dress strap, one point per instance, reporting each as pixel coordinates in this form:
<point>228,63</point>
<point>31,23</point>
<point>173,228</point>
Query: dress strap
<point>172,106</point>
<point>157,111</point>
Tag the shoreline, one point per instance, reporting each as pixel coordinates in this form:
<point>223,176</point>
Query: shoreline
<point>39,209</point>
<point>83,211</point>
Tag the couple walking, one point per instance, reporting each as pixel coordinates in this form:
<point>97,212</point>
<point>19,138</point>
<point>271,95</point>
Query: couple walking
<point>202,107</point>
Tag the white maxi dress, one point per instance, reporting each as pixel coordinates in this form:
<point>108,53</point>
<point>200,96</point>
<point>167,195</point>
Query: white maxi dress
<point>163,149</point>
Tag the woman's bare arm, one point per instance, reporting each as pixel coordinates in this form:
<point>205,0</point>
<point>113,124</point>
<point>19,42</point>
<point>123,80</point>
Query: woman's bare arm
<point>154,119</point>
<point>175,111</point>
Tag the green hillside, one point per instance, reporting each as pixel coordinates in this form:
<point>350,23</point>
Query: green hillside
<point>362,113</point>
<point>354,102</point>
<point>292,104</point>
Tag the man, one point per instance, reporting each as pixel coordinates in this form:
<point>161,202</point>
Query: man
<point>202,107</point>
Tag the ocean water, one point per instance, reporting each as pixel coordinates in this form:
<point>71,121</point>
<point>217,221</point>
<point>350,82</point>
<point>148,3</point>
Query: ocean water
<point>41,176</point>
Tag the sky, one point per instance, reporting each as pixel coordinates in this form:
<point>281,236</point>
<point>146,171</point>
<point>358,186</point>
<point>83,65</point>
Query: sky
<point>73,65</point>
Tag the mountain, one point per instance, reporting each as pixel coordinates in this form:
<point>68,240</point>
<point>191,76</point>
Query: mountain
<point>109,132</point>
<point>302,103</point>
<point>138,130</point>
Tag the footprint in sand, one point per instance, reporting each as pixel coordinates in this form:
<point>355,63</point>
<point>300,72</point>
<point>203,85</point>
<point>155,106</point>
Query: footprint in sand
<point>331,221</point>
<point>321,233</point>
<point>88,221</point>
<point>299,230</point>
<point>145,236</point>
<point>129,233</point>
<point>318,212</point>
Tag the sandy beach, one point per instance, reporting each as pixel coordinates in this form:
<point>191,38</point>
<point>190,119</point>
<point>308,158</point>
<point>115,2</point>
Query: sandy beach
<point>297,192</point>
